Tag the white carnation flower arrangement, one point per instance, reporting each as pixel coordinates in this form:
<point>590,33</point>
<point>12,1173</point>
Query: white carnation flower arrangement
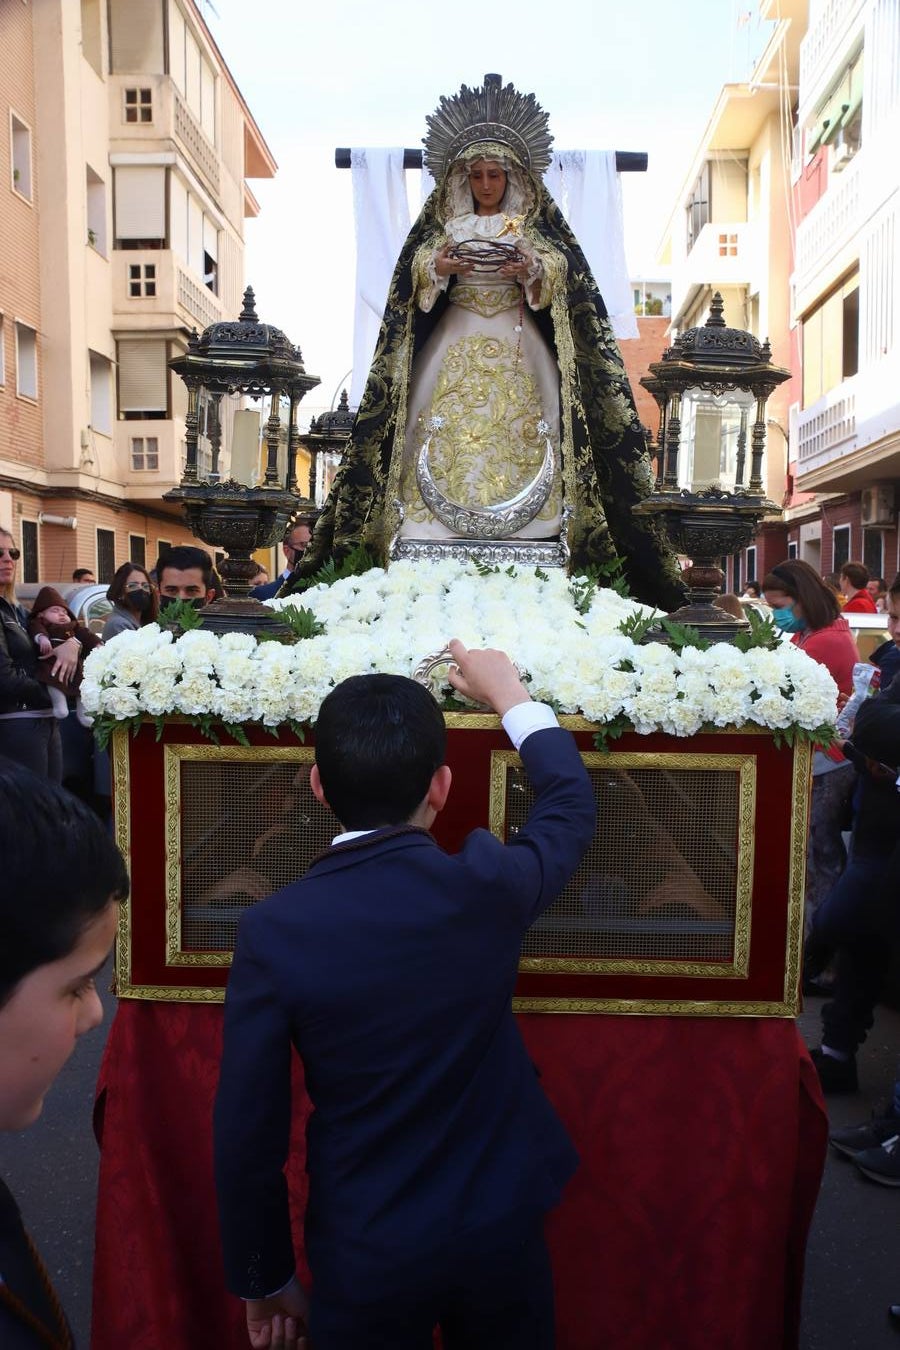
<point>565,633</point>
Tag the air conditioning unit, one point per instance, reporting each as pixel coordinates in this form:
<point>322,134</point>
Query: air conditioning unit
<point>878,509</point>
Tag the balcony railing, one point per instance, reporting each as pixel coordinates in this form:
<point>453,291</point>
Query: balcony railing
<point>827,430</point>
<point>193,138</point>
<point>834,19</point>
<point>199,302</point>
<point>830,225</point>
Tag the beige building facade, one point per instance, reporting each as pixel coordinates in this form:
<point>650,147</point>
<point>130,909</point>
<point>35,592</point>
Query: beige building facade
<point>123,194</point>
<point>731,231</point>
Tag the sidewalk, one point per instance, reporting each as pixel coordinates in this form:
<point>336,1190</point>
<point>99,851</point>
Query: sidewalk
<point>853,1259</point>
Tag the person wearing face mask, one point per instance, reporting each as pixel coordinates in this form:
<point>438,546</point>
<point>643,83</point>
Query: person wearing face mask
<point>185,573</point>
<point>805,607</point>
<point>134,599</point>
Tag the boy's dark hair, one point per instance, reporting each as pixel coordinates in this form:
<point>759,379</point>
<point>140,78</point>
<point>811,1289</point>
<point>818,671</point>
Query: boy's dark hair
<point>183,556</point>
<point>60,870</point>
<point>856,573</point>
<point>894,589</point>
<point>82,572</point>
<point>802,582</point>
<point>379,740</point>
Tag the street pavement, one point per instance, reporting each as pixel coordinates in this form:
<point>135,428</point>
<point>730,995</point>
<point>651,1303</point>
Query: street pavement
<point>853,1260</point>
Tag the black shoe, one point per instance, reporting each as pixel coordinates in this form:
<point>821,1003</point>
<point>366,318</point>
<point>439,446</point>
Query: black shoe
<point>855,1139</point>
<point>881,1164</point>
<point>837,1076</point>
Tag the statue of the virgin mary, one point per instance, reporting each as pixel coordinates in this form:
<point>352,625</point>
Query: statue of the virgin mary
<point>497,418</point>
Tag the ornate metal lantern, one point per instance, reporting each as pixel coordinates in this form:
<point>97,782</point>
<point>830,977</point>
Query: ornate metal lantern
<point>327,436</point>
<point>248,508</point>
<point>711,386</point>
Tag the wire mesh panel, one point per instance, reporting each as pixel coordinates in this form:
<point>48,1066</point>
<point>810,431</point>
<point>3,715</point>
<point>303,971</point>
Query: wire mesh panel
<point>665,884</point>
<point>245,828</point>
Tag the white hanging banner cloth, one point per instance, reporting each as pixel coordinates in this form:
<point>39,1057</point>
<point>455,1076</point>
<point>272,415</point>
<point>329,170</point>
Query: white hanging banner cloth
<point>588,191</point>
<point>381,216</point>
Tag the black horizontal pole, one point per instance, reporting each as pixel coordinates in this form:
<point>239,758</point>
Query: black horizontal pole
<point>627,161</point>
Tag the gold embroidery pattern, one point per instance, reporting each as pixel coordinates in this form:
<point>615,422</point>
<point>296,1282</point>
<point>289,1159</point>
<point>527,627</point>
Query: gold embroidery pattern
<point>488,447</point>
<point>485,300</point>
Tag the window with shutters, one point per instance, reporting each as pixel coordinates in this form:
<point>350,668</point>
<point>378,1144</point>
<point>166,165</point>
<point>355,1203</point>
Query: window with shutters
<point>830,335</point>
<point>144,453</point>
<point>143,380</point>
<point>136,37</point>
<point>140,205</point>
<point>137,549</point>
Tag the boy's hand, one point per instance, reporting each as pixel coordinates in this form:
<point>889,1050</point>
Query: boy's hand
<point>279,1323</point>
<point>487,676</point>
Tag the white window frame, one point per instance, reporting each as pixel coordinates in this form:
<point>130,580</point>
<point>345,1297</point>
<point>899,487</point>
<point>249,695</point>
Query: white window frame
<point>139,106</point>
<point>33,390</point>
<point>838,529</point>
<point>21,157</point>
<point>144,453</point>
<point>103,410</point>
<point>95,208</point>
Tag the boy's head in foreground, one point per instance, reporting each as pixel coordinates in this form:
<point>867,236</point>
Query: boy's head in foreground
<point>62,879</point>
<point>380,747</point>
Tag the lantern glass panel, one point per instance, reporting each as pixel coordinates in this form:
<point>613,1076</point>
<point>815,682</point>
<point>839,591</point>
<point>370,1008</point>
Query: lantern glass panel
<point>715,429</point>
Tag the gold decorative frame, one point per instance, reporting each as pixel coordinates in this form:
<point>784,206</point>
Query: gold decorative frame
<point>745,766</point>
<point>787,1006</point>
<point>173,758</point>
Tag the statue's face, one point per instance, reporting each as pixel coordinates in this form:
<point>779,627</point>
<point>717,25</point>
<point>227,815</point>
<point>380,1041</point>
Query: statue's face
<point>488,183</point>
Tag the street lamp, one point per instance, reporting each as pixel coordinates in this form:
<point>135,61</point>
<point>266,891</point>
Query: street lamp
<point>229,363</point>
<point>711,387</point>
<point>328,435</point>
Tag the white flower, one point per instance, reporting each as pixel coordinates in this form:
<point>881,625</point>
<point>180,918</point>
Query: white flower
<point>389,620</point>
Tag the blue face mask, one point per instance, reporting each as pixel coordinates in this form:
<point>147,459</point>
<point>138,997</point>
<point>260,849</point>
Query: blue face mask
<point>787,620</point>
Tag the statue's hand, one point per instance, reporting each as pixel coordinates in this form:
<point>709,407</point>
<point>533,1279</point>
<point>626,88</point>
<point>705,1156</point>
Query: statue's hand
<point>445,265</point>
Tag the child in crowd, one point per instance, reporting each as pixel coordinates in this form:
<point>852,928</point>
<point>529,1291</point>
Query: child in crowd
<point>62,879</point>
<point>50,623</point>
<point>432,1152</point>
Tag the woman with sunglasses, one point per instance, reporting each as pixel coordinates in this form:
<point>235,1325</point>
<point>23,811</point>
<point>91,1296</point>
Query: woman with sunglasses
<point>29,732</point>
<point>135,601</point>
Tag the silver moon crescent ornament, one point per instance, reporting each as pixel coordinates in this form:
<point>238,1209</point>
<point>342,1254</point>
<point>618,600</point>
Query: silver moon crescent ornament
<point>489,522</point>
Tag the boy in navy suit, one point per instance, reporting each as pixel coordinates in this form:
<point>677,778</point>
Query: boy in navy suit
<point>432,1151</point>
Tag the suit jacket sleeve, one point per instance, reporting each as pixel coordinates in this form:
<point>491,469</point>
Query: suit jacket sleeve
<point>542,857</point>
<point>252,1123</point>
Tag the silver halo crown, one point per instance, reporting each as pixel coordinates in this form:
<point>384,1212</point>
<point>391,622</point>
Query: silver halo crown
<point>494,112</point>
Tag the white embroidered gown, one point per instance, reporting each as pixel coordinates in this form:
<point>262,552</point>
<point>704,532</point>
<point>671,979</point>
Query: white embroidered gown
<point>490,386</point>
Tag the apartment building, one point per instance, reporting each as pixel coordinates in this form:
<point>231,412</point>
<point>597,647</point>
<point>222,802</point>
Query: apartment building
<point>730,231</point>
<point>123,194</point>
<point>845,426</point>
